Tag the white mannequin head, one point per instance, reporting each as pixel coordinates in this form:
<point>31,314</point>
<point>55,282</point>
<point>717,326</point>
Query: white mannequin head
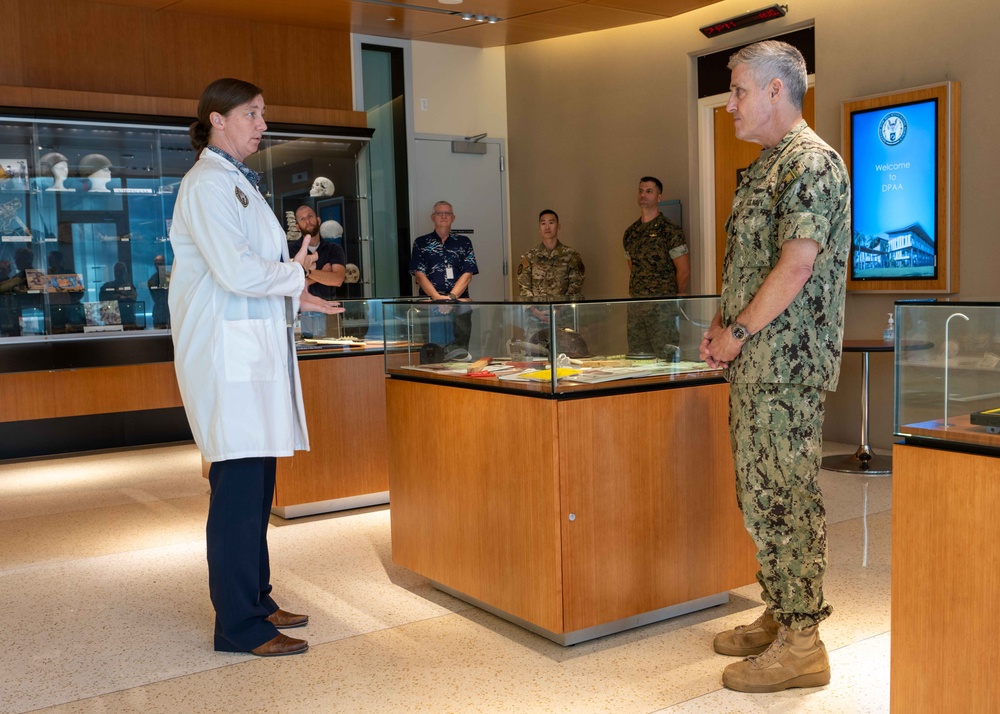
<point>322,186</point>
<point>55,165</point>
<point>99,181</point>
<point>97,168</point>
<point>331,230</point>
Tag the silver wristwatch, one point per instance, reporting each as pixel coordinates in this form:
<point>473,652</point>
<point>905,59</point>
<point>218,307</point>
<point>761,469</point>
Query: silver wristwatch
<point>740,332</point>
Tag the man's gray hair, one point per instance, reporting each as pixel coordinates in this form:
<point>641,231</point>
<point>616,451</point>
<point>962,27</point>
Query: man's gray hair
<point>773,58</point>
<point>443,203</point>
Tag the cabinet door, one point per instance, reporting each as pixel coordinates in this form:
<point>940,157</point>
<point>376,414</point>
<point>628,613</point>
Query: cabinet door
<point>649,514</point>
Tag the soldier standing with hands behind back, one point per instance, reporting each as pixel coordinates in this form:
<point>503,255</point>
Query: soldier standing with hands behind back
<point>779,332</point>
<point>659,266</point>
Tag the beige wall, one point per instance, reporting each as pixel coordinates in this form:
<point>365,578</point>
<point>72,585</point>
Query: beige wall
<point>589,114</point>
<point>465,89</point>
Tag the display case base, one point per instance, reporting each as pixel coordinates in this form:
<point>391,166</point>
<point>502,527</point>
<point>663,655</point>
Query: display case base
<point>592,633</point>
<point>347,503</point>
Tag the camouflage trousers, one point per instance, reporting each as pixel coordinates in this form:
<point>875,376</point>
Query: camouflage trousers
<point>777,440</point>
<point>652,329</point>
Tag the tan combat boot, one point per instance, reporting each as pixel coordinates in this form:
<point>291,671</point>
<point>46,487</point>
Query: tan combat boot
<point>796,658</point>
<point>747,640</point>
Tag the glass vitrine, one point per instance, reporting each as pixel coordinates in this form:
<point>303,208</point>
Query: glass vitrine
<point>555,348</point>
<point>948,373</point>
<point>86,207</point>
<point>357,330</point>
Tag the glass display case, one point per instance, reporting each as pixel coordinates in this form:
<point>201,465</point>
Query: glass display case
<point>552,349</point>
<point>85,211</point>
<point>357,330</point>
<point>948,373</point>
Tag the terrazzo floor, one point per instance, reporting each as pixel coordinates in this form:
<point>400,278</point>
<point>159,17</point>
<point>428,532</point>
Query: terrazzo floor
<point>103,577</point>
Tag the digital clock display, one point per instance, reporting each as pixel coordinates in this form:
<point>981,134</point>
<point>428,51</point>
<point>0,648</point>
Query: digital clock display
<point>745,20</point>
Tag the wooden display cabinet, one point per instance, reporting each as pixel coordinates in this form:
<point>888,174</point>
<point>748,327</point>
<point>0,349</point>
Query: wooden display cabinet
<point>574,518</point>
<point>347,464</point>
<point>945,574</point>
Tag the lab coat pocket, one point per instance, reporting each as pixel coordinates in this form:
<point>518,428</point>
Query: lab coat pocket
<point>248,348</point>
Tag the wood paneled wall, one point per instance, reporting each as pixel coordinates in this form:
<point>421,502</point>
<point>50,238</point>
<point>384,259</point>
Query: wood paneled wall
<point>80,392</point>
<point>97,54</point>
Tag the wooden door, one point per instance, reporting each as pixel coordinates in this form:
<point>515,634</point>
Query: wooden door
<point>731,157</point>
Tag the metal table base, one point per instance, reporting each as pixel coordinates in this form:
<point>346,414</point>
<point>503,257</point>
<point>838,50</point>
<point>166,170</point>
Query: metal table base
<point>864,461</point>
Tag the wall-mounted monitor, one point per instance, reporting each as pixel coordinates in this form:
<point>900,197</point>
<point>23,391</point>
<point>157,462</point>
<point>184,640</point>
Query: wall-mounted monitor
<point>902,152</point>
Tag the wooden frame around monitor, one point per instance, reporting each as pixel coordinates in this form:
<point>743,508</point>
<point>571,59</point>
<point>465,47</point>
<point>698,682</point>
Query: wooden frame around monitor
<point>948,95</point>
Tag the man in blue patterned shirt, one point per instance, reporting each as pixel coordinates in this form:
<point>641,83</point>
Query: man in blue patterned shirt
<point>443,264</point>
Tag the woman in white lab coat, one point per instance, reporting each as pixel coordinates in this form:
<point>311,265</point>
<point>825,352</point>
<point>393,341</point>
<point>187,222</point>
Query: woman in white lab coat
<point>233,295</point>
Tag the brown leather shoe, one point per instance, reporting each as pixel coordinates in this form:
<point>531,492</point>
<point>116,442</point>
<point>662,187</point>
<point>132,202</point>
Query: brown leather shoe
<point>285,620</point>
<point>281,645</point>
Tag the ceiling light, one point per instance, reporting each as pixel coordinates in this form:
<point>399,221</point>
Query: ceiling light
<point>480,18</point>
<point>466,16</point>
<point>491,20</point>
<point>450,2</point>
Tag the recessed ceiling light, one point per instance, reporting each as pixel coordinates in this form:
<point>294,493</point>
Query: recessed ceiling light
<point>450,2</point>
<point>390,19</point>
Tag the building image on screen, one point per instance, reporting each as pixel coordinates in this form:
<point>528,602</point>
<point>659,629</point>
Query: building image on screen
<point>894,192</point>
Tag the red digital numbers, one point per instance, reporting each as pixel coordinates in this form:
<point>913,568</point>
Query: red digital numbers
<point>719,28</point>
<point>750,18</point>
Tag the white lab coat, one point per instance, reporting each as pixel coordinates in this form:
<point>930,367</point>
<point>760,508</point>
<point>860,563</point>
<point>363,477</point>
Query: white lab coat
<point>233,352</point>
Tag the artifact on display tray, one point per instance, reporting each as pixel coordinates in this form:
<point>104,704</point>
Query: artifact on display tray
<point>13,174</point>
<point>12,225</point>
<point>582,371</point>
<point>989,418</point>
<point>102,316</point>
<point>56,283</point>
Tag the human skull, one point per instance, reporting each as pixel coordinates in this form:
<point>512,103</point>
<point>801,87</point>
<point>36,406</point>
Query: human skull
<point>351,273</point>
<point>331,230</point>
<point>322,186</point>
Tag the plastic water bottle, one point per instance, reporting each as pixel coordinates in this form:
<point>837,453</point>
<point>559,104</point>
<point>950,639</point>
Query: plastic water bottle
<point>889,335</point>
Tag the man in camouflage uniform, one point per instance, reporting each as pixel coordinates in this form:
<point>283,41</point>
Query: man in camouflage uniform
<point>550,270</point>
<point>779,332</point>
<point>659,266</point>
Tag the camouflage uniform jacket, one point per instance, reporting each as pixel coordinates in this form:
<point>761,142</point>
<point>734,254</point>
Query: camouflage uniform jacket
<point>798,189</point>
<point>652,248</point>
<point>558,275</point>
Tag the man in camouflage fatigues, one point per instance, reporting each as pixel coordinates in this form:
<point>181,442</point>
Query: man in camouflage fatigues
<point>659,266</point>
<point>779,332</point>
<point>550,270</point>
